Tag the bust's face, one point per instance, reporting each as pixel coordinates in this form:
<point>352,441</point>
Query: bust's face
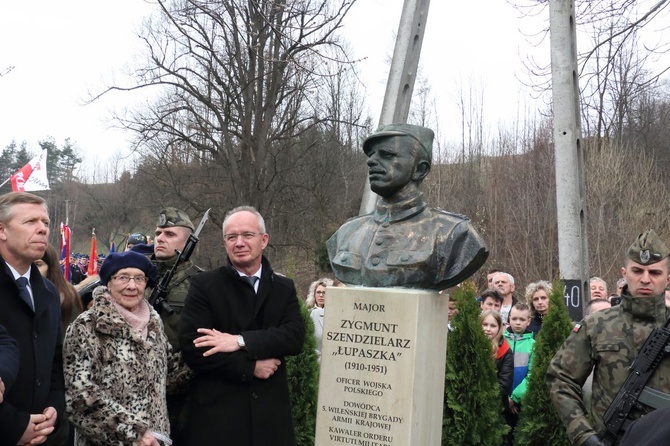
<point>392,161</point>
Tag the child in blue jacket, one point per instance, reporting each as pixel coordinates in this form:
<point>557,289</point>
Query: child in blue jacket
<point>521,341</point>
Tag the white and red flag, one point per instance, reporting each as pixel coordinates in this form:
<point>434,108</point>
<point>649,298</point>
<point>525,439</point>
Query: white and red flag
<point>32,176</point>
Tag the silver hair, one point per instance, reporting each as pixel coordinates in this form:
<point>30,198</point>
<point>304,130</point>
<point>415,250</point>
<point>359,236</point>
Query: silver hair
<point>595,279</point>
<point>261,221</point>
<point>509,277</point>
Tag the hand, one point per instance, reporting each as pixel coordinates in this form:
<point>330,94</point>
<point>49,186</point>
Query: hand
<point>32,435</point>
<point>265,368</point>
<point>148,440</point>
<point>512,405</point>
<point>220,342</point>
<point>593,440</point>
<point>2,389</point>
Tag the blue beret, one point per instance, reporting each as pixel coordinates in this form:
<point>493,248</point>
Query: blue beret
<point>130,259</point>
<point>144,249</point>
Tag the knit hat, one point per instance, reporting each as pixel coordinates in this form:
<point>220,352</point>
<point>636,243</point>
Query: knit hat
<point>129,259</point>
<point>144,249</point>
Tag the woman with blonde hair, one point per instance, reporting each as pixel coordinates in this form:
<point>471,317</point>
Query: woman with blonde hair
<point>537,297</point>
<point>316,300</point>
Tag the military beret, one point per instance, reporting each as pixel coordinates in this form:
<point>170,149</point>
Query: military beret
<point>134,239</point>
<point>170,217</point>
<point>648,249</point>
<point>129,259</point>
<point>424,136</point>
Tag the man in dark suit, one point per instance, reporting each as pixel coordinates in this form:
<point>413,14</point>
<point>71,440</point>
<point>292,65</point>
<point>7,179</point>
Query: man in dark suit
<point>238,324</point>
<point>31,314</point>
<point>9,361</point>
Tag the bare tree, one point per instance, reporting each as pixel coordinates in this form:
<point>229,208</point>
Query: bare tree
<point>238,80</point>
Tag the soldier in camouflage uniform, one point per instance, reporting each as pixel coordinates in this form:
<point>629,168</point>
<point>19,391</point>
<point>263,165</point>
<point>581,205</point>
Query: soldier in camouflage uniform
<point>608,341</point>
<point>172,231</point>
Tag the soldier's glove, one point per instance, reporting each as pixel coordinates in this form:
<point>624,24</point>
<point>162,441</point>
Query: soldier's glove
<point>593,440</point>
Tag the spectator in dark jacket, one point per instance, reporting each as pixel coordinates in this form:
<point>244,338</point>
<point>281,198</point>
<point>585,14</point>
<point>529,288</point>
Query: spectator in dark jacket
<point>9,360</point>
<point>504,357</point>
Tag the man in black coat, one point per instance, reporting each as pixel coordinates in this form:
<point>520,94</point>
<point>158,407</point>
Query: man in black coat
<point>31,314</point>
<point>238,323</point>
<point>9,361</point>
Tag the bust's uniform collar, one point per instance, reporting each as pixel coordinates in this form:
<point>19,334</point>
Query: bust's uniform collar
<point>391,212</point>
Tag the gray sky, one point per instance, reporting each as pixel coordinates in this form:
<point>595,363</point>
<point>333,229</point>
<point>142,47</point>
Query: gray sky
<point>62,50</point>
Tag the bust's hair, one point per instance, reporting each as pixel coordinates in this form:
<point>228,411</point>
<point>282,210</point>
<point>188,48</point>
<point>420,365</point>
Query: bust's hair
<point>11,199</point>
<point>311,296</point>
<point>230,213</point>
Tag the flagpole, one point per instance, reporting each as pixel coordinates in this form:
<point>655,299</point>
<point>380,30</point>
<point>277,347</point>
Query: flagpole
<point>5,182</point>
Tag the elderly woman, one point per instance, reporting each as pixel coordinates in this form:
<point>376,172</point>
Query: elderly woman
<point>118,362</point>
<point>537,297</point>
<point>316,300</point>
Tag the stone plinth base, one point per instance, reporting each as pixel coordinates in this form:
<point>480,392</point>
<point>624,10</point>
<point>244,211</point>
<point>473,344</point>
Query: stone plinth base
<point>382,367</point>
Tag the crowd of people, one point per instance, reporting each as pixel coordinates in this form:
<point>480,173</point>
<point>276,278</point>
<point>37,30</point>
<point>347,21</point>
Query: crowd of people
<point>212,364</point>
<point>114,370</point>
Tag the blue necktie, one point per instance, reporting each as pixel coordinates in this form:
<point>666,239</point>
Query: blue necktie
<point>22,283</point>
<point>251,280</point>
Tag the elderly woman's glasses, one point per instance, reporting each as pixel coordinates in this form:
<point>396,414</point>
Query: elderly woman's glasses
<point>126,279</point>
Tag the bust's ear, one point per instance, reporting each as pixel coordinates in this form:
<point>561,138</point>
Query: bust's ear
<point>422,169</point>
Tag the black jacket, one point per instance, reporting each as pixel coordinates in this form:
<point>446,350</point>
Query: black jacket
<point>39,381</point>
<point>227,402</point>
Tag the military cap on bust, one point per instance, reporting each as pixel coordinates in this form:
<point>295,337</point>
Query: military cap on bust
<point>170,217</point>
<point>424,136</point>
<point>648,249</point>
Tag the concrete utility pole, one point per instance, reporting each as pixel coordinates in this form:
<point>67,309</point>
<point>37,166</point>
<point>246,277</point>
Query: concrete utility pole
<point>402,75</point>
<point>570,180</point>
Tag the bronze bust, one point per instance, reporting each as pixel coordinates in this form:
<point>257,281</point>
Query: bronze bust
<point>404,242</point>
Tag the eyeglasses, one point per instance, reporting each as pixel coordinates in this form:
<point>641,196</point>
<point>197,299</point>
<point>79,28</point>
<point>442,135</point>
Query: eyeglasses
<point>126,279</point>
<point>232,238</point>
<point>320,292</point>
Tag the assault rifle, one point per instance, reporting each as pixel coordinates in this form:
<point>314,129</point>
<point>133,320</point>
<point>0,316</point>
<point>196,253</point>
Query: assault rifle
<point>634,390</point>
<point>158,298</point>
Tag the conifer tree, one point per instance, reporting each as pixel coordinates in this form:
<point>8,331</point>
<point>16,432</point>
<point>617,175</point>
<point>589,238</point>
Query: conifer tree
<point>303,381</point>
<point>472,405</point>
<point>539,424</point>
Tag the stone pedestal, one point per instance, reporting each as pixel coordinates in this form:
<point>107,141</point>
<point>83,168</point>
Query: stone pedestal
<point>382,367</point>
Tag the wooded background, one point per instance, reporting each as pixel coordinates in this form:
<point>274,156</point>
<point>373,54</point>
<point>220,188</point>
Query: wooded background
<point>257,102</point>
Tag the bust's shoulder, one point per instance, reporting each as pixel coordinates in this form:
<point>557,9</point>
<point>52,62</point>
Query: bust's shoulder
<point>441,214</point>
<point>354,223</point>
